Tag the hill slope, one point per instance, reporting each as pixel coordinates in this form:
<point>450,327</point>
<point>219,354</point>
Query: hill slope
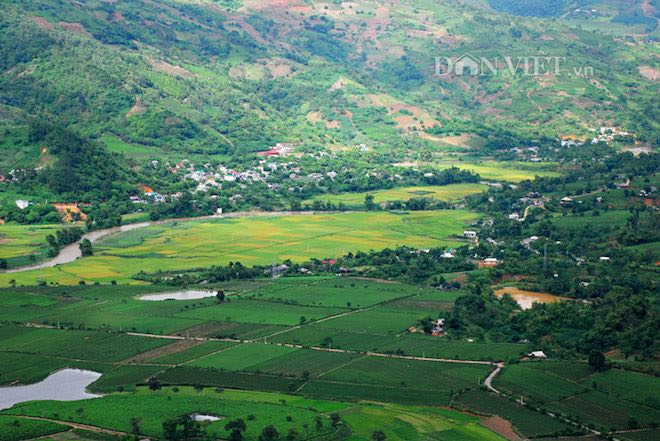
<point>174,77</point>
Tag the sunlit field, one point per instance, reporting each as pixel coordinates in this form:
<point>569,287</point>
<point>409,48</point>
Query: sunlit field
<point>441,193</point>
<point>251,241</point>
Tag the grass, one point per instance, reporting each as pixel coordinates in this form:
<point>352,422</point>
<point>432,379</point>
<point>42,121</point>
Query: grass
<point>451,192</point>
<point>254,240</point>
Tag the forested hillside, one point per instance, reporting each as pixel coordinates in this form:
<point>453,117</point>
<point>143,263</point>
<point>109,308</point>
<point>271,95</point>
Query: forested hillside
<point>226,78</point>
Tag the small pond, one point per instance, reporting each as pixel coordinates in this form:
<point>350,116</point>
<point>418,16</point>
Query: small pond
<point>526,299</point>
<point>203,417</point>
<point>64,385</point>
<point>178,295</point>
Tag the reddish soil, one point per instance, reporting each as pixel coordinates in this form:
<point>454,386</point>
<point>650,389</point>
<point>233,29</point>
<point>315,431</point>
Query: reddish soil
<point>502,427</point>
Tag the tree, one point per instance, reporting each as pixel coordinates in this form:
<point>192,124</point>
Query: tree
<point>220,296</point>
<point>269,433</point>
<point>169,429</point>
<point>236,428</point>
<point>135,425</point>
<point>335,419</point>
<point>86,248</point>
<point>596,360</point>
<point>378,435</point>
<point>369,202</point>
<point>292,435</point>
<point>154,384</point>
<point>3,264</point>
<point>318,423</point>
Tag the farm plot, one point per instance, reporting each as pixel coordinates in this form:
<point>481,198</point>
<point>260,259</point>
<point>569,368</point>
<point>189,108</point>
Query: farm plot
<point>440,347</point>
<point>242,357</point>
<point>304,363</point>
<point>450,192</point>
<point>420,374</point>
<point>524,379</point>
<point>316,336</point>
<point>77,345</point>
<point>260,312</point>
<point>18,429</point>
<point>403,423</point>
<point>193,352</point>
<point>104,307</point>
<point>253,240</point>
<point>503,171</point>
<point>27,368</point>
<point>606,399</point>
<point>333,292</point>
<point>374,321</point>
<point>529,423</point>
<point>124,378</point>
<point>21,241</point>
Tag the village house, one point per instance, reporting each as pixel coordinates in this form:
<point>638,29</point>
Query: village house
<point>470,234</point>
<point>530,240</point>
<point>540,355</point>
<point>22,204</point>
<point>490,262</point>
<point>438,328</point>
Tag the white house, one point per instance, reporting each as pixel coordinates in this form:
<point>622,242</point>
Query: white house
<point>537,354</point>
<point>22,204</point>
<point>470,234</point>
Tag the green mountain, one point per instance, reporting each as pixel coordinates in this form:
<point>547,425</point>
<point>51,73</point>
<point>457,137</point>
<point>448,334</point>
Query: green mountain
<point>180,78</point>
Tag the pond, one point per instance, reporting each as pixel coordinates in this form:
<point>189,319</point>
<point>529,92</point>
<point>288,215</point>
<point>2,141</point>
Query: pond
<point>526,299</point>
<point>64,385</point>
<point>179,295</point>
<point>203,417</point>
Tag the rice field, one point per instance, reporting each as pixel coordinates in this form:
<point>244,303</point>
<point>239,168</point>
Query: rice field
<point>503,171</point>
<point>448,193</point>
<point>251,240</point>
<point>21,241</point>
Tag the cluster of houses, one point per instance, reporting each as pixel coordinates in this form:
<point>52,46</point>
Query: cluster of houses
<point>603,134</point>
<point>151,196</point>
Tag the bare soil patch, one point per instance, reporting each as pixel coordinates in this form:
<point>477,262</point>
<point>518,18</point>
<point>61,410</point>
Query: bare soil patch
<point>42,22</point>
<point>501,426</point>
<point>170,69</point>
